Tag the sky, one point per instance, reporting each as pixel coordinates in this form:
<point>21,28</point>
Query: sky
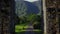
<point>31,0</point>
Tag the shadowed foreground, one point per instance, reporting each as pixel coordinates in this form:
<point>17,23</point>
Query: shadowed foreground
<point>29,32</point>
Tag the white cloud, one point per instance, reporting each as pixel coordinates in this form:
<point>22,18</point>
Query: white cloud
<point>31,0</point>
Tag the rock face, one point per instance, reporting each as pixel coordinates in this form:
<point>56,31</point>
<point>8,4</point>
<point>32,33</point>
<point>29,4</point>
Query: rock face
<point>39,5</point>
<point>24,8</point>
<point>7,16</point>
<point>52,16</point>
<point>31,8</point>
<point>20,8</point>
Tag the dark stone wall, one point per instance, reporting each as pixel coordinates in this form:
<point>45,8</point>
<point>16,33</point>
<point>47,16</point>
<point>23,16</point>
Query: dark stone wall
<point>7,16</point>
<point>52,7</point>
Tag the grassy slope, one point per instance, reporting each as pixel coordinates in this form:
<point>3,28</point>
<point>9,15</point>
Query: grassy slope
<point>20,29</point>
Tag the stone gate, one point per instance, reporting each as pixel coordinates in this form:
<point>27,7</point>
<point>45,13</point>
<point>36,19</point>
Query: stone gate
<point>51,10</point>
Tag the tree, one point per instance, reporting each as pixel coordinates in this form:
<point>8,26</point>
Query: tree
<point>37,25</point>
<point>31,18</point>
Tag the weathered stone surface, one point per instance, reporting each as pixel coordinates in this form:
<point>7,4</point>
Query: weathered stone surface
<point>7,16</point>
<point>52,16</point>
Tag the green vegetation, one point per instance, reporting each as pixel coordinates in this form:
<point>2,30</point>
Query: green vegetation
<point>30,18</point>
<point>22,25</point>
<point>20,28</point>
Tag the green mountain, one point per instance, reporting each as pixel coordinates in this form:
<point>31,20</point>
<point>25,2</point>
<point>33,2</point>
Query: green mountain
<point>24,8</point>
<point>20,8</point>
<point>39,5</point>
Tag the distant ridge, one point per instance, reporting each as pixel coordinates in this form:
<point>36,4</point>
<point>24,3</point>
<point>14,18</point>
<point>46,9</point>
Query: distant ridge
<point>24,8</point>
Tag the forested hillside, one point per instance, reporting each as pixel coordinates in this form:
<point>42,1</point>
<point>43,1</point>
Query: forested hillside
<point>23,8</point>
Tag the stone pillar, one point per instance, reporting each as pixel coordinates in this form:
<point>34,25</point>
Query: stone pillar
<point>7,15</point>
<point>44,15</point>
<point>51,24</point>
